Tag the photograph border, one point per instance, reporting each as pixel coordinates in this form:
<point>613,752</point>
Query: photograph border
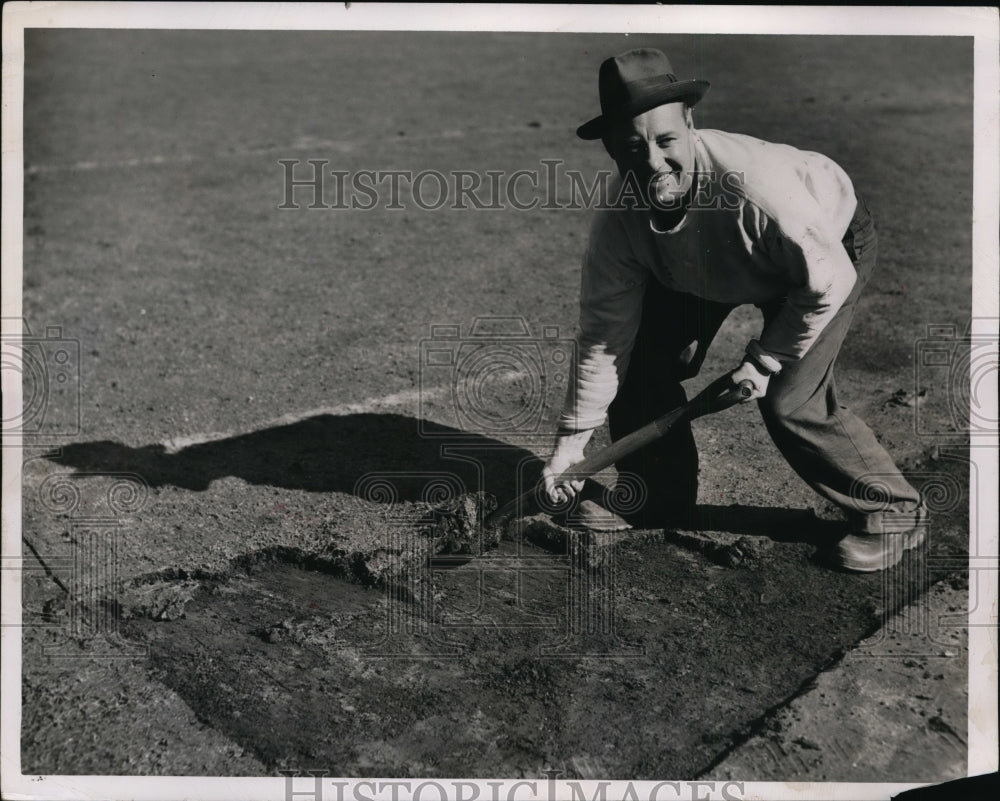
<point>979,23</point>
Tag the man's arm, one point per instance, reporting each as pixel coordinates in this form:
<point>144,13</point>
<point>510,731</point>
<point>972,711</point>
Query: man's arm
<point>827,280</point>
<point>611,291</point>
<point>821,277</point>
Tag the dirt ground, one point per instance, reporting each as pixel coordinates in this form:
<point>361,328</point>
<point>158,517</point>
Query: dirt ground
<point>884,709</point>
<point>227,567</point>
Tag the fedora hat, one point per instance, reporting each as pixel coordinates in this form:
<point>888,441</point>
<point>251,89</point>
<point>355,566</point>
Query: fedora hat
<point>634,82</point>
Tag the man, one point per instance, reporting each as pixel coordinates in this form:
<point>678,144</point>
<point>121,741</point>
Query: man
<point>724,219</point>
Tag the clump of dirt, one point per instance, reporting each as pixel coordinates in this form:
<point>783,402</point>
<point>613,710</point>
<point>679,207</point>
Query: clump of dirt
<point>162,600</point>
<point>724,549</point>
<point>744,551</point>
<point>588,549</point>
<point>459,524</point>
<point>290,630</point>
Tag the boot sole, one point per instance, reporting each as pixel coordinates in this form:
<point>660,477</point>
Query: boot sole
<point>895,545</point>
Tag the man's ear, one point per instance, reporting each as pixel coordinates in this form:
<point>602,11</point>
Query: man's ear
<point>688,116</point>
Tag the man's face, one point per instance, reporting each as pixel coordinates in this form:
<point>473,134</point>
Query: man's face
<point>658,147</point>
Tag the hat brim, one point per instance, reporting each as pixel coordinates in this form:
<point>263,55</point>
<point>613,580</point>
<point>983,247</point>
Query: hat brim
<point>669,92</point>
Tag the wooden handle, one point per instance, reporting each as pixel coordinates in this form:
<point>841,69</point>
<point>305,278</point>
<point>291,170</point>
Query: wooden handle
<point>719,395</point>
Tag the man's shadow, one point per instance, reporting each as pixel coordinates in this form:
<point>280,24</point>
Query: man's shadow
<point>389,456</point>
<point>382,458</point>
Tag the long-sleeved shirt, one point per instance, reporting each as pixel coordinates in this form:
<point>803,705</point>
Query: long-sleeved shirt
<point>766,223</point>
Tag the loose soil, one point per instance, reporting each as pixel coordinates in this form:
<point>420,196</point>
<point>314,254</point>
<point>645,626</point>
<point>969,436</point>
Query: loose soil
<point>508,663</point>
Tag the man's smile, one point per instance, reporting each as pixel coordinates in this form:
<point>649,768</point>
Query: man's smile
<point>665,186</point>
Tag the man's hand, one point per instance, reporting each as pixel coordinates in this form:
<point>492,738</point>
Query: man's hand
<point>567,452</point>
<point>748,372</point>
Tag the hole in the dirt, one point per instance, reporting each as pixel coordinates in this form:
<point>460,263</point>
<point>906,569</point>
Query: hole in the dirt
<point>167,594</point>
<point>338,566</point>
<point>505,664</point>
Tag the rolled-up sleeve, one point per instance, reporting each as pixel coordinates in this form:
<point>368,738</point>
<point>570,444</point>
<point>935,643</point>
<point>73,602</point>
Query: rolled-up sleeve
<point>820,276</point>
<point>611,291</point>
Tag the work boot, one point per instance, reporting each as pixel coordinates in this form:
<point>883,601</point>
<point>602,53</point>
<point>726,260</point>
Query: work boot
<point>879,541</point>
<point>869,553</point>
<point>593,511</point>
<point>591,516</point>
<point>590,511</point>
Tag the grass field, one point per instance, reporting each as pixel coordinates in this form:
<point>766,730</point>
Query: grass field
<point>250,364</point>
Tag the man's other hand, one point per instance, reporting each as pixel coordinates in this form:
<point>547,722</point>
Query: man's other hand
<point>748,372</point>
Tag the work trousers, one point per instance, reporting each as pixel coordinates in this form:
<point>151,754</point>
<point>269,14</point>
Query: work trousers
<point>830,448</point>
